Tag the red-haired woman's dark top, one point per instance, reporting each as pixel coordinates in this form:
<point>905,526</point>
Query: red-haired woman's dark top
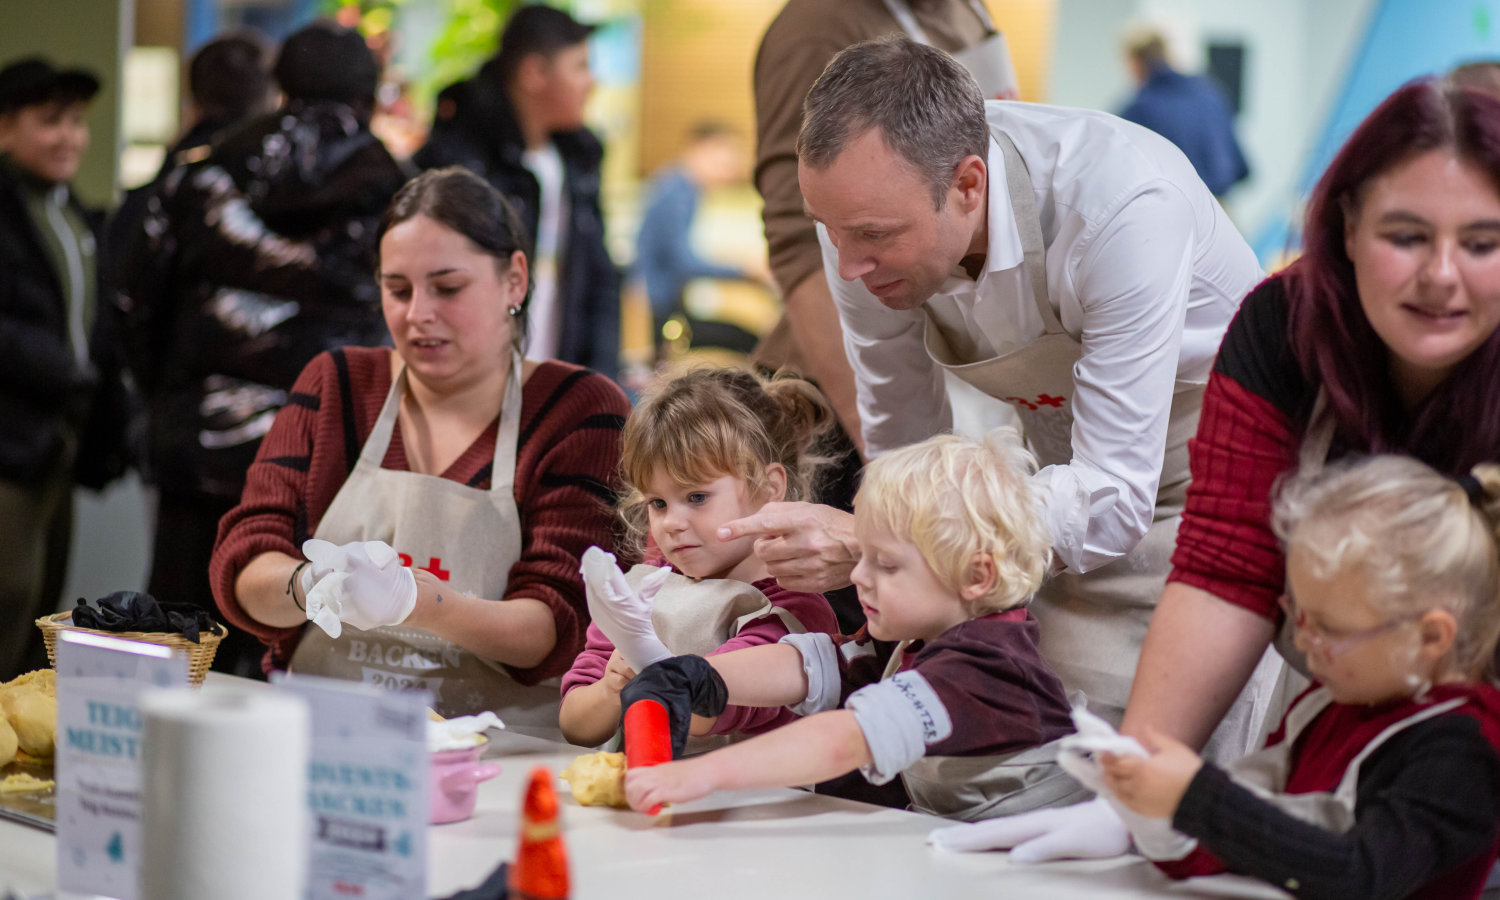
<point>1255,409</point>
<point>567,462</point>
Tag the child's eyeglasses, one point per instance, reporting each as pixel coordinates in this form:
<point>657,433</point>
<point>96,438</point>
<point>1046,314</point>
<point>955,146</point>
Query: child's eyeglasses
<point>1334,643</point>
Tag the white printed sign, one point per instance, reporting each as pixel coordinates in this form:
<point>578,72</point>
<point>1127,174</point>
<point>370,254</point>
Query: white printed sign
<point>99,681</point>
<point>366,790</point>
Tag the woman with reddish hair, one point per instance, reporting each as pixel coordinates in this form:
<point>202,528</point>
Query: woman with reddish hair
<point>1381,338</point>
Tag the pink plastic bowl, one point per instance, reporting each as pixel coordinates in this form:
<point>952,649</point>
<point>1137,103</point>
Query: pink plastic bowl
<point>455,782</point>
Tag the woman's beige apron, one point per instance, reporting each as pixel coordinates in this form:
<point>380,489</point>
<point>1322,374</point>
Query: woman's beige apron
<point>1092,625</point>
<point>988,61</point>
<point>469,537</point>
<point>970,788</point>
<point>697,617</point>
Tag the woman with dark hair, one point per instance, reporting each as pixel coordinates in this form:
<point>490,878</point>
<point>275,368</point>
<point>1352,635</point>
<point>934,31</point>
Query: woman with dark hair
<point>484,474</point>
<point>1381,338</point>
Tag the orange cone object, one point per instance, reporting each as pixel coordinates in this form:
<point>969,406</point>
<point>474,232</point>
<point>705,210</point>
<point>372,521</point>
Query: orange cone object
<point>540,871</point>
<point>648,737</point>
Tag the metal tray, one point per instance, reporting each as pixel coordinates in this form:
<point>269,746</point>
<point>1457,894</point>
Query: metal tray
<point>35,808</point>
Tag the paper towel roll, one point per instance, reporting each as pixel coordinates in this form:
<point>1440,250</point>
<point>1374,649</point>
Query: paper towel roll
<point>224,794</point>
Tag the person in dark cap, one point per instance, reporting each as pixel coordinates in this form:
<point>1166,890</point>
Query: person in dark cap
<point>252,261</point>
<point>60,363</point>
<point>518,123</point>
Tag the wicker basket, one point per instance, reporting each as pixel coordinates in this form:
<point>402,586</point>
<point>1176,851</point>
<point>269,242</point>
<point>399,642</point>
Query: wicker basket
<point>200,655</point>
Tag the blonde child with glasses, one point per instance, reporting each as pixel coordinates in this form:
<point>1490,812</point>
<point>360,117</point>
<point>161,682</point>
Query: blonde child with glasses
<point>1383,779</point>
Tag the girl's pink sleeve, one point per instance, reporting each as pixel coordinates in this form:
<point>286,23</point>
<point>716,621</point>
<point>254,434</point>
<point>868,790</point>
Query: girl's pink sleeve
<point>588,666</point>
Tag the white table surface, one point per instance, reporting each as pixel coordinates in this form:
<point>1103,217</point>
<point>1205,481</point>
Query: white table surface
<point>785,844</point>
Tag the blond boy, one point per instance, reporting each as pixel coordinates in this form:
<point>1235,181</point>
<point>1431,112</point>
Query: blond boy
<point>963,708</point>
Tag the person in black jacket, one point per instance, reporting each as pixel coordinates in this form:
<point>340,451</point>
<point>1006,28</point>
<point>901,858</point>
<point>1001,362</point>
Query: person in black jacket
<point>229,82</point>
<point>251,262</point>
<point>63,397</point>
<point>518,123</point>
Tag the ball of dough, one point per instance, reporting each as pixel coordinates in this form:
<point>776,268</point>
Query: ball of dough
<point>33,715</point>
<point>44,680</point>
<point>9,743</point>
<point>597,779</point>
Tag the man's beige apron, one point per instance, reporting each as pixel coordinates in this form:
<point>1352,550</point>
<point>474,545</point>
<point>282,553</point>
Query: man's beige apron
<point>697,617</point>
<point>1092,625</point>
<point>970,788</point>
<point>469,537</point>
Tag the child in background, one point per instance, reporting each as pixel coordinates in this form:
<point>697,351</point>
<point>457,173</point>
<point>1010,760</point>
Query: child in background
<point>704,448</point>
<point>964,709</point>
<point>1383,779</point>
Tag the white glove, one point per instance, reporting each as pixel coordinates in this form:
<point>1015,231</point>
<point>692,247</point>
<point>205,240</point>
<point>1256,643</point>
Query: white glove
<point>1078,752</point>
<point>362,583</point>
<point>1089,830</point>
<point>624,614</point>
<point>1078,756</point>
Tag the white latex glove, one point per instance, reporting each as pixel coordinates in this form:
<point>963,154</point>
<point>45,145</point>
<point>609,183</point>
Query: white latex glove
<point>622,613</point>
<point>1078,754</point>
<point>362,583</point>
<point>1089,830</point>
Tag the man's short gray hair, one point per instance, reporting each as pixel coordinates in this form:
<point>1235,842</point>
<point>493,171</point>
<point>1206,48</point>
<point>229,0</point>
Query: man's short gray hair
<point>926,105</point>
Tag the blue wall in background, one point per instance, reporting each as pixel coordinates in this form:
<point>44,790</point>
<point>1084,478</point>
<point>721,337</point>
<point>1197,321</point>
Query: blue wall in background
<point>1406,39</point>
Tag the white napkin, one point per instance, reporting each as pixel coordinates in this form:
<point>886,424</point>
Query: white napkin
<point>460,732</point>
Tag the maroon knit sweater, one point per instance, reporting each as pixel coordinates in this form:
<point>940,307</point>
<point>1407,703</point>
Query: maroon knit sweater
<point>567,463</point>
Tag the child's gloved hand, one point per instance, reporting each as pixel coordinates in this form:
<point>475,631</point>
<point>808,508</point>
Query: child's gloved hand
<point>685,686</point>
<point>1089,830</point>
<point>362,583</point>
<point>622,613</point>
<point>1078,753</point>
<point>1080,756</point>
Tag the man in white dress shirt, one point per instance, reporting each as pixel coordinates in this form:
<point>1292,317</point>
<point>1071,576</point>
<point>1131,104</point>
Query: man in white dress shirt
<point>1061,260</point>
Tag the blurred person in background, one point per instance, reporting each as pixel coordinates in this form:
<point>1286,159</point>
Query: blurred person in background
<point>64,402</point>
<point>251,262</point>
<point>518,123</point>
<point>665,259</point>
<point>1188,110</point>
<point>229,82</point>
<point>1480,75</point>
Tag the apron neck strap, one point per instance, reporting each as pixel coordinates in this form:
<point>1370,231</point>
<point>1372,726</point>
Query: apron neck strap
<point>1029,224</point>
<point>902,13</point>
<point>503,470</point>
<point>1318,438</point>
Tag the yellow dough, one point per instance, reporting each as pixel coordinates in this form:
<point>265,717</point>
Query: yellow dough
<point>29,704</point>
<point>597,779</point>
<point>20,782</point>
<point>33,715</point>
<point>9,743</point>
<point>44,680</point>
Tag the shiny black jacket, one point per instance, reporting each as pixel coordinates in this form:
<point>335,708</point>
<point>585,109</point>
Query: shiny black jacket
<point>476,128</point>
<point>251,262</point>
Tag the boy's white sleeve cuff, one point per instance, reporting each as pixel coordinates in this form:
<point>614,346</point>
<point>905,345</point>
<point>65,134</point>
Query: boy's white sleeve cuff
<point>820,662</point>
<point>900,717</point>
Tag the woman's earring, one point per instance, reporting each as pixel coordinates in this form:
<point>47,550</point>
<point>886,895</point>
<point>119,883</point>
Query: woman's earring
<point>514,310</point>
